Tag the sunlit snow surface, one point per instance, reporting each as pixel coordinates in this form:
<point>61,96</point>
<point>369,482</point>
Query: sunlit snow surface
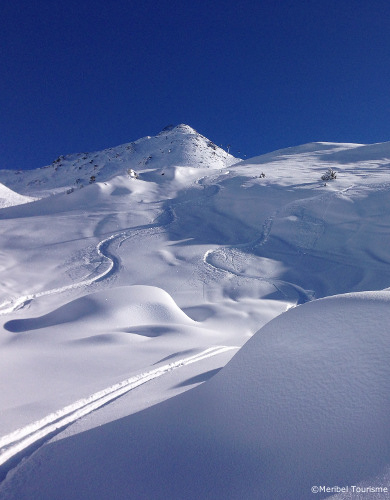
<point>9,198</point>
<point>149,285</point>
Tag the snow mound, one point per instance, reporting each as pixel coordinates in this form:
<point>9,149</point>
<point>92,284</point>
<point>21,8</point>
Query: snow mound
<point>305,402</point>
<point>9,198</point>
<point>138,305</point>
<point>309,395</point>
<point>115,309</point>
<point>319,369</point>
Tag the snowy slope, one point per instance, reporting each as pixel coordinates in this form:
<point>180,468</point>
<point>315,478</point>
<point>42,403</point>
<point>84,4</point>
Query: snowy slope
<point>145,287</point>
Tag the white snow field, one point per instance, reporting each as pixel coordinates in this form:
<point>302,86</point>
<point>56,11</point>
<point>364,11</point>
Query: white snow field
<point>178,265</point>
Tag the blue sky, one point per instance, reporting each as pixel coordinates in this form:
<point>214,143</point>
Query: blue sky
<point>259,75</point>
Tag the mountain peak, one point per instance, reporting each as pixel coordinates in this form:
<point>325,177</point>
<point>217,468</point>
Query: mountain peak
<point>175,146</point>
<point>182,127</point>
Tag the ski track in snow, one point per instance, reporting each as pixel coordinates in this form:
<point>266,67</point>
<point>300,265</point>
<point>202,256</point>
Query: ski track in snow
<point>101,248</point>
<point>301,294</point>
<point>227,265</point>
<point>211,260</point>
<point>24,438</point>
<point>103,251</point>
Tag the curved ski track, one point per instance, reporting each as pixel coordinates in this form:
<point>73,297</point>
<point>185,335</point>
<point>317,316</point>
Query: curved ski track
<point>302,295</point>
<point>228,252</point>
<point>113,264</point>
<point>22,440</point>
<point>103,251</point>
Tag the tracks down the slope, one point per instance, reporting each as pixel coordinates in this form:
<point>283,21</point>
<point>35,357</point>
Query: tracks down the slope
<point>21,441</point>
<point>224,258</point>
<point>289,290</point>
<point>107,257</point>
<point>102,250</point>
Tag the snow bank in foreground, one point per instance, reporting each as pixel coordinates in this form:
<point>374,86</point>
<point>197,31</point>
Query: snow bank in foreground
<point>305,402</point>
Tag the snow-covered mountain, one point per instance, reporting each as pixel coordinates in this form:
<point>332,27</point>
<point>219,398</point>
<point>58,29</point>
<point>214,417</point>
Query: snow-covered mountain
<point>179,146</point>
<point>176,258</point>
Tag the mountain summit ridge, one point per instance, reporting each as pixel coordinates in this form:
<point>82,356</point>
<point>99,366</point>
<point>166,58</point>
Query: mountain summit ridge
<point>174,146</point>
<point>178,147</point>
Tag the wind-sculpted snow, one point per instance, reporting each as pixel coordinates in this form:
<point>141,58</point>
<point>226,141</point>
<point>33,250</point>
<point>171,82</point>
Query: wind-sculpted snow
<point>120,307</point>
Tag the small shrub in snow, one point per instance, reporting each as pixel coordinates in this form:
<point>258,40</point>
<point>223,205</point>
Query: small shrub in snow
<point>329,175</point>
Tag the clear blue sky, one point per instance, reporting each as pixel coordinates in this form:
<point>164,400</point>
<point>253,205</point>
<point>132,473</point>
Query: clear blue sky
<point>261,75</point>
